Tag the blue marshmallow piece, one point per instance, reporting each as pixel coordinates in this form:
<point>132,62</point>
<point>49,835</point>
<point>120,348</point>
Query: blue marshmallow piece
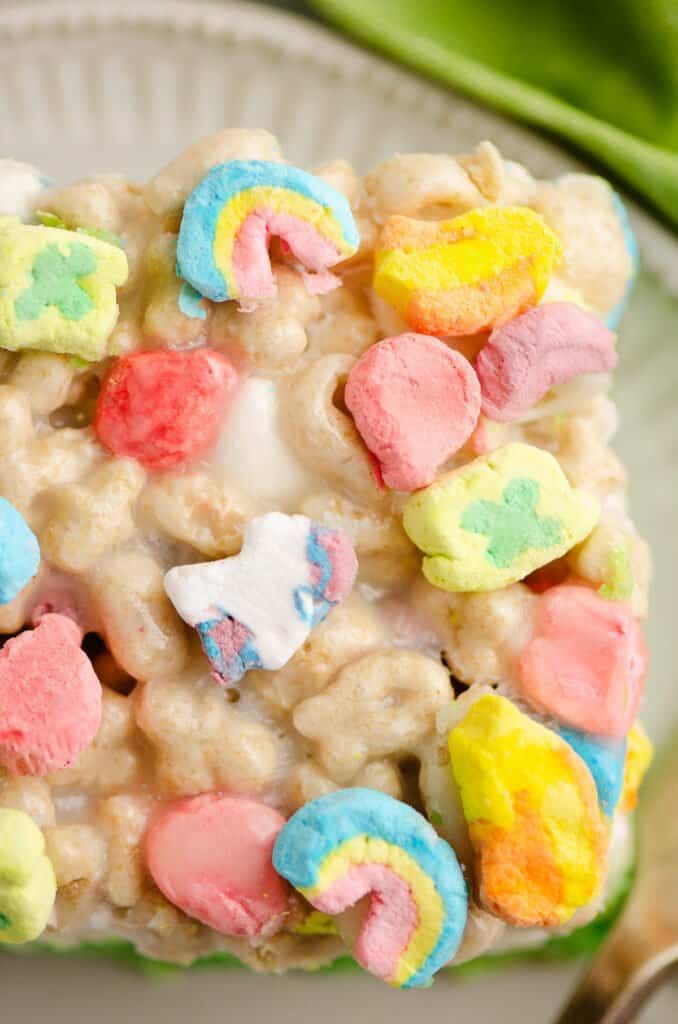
<point>19,552</point>
<point>605,760</point>
<point>615,314</point>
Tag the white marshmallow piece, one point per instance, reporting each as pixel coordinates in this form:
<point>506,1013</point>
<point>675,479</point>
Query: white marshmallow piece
<point>20,186</point>
<point>252,452</point>
<point>256,587</point>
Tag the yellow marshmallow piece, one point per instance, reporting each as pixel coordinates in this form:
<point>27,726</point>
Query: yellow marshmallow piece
<point>467,274</point>
<point>639,753</point>
<point>57,289</point>
<point>27,882</point>
<point>531,805</point>
<point>497,519</point>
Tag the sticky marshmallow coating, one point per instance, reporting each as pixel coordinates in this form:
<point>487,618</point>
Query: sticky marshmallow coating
<point>360,699</point>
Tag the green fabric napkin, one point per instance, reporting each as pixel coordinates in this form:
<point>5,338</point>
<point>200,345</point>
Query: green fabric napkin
<point>602,74</point>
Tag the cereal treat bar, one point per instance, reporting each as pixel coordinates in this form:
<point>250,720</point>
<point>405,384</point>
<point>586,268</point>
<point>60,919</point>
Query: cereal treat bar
<point>320,605</point>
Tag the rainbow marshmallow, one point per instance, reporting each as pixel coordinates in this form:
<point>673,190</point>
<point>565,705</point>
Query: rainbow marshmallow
<point>533,814</point>
<point>341,847</point>
<point>230,217</point>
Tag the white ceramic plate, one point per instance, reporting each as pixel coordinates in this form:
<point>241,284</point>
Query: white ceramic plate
<point>120,86</point>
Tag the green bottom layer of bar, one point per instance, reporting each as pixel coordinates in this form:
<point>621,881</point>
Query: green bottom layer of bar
<point>580,943</point>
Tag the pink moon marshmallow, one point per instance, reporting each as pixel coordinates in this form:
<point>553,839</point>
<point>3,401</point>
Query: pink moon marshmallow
<point>50,698</point>
<point>546,346</point>
<point>415,402</point>
<point>586,662</point>
<point>211,856</point>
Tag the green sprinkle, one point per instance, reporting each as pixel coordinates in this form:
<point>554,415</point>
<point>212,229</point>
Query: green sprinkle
<point>435,817</point>
<point>103,236</point>
<point>316,923</point>
<point>56,282</point>
<point>4,922</point>
<point>50,220</point>
<point>511,525</point>
<point>619,583</point>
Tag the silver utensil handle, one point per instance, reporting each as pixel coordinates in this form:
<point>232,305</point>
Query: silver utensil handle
<point>625,973</point>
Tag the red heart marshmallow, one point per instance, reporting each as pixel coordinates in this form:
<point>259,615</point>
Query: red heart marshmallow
<point>50,698</point>
<point>586,662</point>
<point>165,408</point>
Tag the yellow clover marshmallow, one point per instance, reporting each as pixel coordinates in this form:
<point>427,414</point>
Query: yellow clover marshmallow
<point>27,882</point>
<point>497,519</point>
<point>57,289</point>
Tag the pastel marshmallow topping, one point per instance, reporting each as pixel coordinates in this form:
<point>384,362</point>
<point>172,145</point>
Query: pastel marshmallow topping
<point>231,216</point>
<point>19,552</point>
<point>605,758</point>
<point>497,519</point>
<point>639,753</point>
<point>252,451</point>
<point>50,698</point>
<point>532,812</point>
<point>165,408</point>
<point>415,402</point>
<point>586,662</point>
<point>27,882</point>
<point>57,290</point>
<point>256,609</point>
<point>467,274</point>
<point>20,186</point>
<point>354,843</point>
<point>210,855</point>
<point>544,347</point>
